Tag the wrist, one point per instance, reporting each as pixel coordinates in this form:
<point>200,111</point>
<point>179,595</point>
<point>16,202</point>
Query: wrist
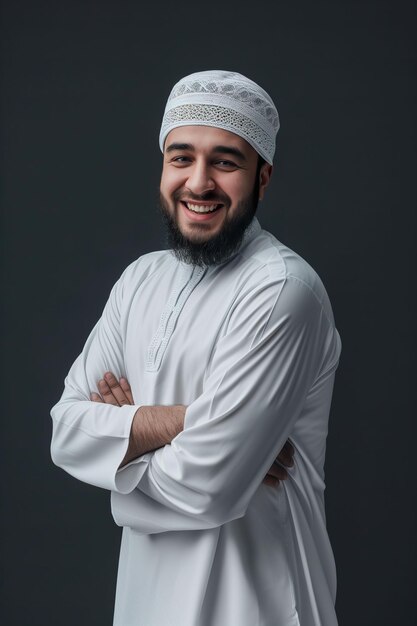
<point>154,426</point>
<point>178,411</point>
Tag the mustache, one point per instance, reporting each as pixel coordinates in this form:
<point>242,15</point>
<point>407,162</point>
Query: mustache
<point>209,196</point>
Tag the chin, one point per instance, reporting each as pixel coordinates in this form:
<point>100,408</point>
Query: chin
<point>206,242</point>
<point>199,232</point>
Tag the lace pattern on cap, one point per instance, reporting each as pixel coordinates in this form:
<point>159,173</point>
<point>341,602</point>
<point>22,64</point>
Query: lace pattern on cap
<point>239,90</point>
<point>226,100</point>
<point>219,117</point>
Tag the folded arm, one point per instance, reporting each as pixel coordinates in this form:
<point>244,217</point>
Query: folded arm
<point>257,384</point>
<point>90,440</point>
<point>156,426</point>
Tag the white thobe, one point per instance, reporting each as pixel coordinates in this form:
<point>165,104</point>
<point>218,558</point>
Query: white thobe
<point>250,346</point>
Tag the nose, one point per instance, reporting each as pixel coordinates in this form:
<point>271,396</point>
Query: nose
<point>200,180</point>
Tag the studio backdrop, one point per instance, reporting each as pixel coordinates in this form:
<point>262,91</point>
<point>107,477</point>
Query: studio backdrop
<point>83,90</point>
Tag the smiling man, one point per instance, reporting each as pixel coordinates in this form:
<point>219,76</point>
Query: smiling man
<point>209,376</point>
<point>212,180</point>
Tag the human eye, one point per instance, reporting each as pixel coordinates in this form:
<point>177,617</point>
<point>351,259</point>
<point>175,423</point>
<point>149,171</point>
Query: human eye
<point>180,160</point>
<point>226,165</point>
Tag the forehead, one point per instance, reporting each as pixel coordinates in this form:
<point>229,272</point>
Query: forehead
<point>208,138</point>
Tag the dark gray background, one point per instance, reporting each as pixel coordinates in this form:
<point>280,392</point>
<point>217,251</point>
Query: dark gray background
<point>84,85</point>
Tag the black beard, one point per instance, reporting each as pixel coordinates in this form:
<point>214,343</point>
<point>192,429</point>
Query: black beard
<point>216,249</point>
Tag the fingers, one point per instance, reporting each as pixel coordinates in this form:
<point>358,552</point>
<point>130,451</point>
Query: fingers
<point>275,475</point>
<point>107,392</point>
<point>271,481</point>
<point>278,472</point>
<point>95,397</point>
<point>117,393</point>
<point>285,457</point>
<point>127,390</point>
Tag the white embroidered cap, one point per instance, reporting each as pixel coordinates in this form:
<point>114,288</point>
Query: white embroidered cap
<point>226,100</point>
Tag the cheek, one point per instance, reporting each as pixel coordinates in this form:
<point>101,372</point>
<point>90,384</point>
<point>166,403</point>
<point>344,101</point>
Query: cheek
<point>237,188</point>
<point>171,180</point>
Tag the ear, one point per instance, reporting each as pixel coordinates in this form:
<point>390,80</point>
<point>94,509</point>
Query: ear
<point>264,178</point>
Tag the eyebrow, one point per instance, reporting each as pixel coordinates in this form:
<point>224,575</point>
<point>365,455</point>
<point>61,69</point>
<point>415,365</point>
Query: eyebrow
<point>179,146</point>
<point>230,150</point>
<point>217,149</point>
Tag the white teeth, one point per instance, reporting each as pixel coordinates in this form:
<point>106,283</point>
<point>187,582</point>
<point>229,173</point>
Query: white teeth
<point>197,208</point>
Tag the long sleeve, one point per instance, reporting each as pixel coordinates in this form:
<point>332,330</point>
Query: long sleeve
<point>278,340</point>
<point>90,439</point>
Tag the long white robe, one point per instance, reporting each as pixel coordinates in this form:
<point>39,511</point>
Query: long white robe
<point>251,348</point>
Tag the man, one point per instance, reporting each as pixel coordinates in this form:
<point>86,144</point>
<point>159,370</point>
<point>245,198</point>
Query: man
<point>208,357</point>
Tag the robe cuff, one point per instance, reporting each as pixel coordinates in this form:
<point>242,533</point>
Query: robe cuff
<point>128,476</point>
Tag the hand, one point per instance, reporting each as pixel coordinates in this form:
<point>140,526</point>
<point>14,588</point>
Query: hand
<point>276,473</point>
<point>152,426</point>
<point>113,391</point>
<point>119,393</point>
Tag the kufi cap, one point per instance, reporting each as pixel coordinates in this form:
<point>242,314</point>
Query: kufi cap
<point>226,100</point>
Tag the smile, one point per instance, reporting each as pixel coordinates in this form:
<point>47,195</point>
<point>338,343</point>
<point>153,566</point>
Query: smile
<point>202,208</point>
